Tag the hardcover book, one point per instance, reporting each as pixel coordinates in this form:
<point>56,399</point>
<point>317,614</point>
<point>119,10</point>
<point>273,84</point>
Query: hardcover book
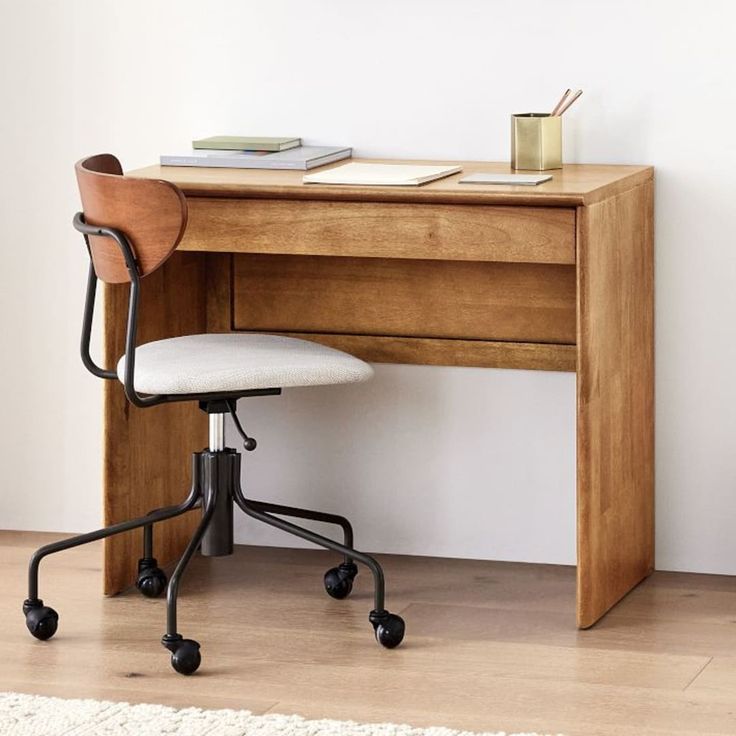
<point>245,143</point>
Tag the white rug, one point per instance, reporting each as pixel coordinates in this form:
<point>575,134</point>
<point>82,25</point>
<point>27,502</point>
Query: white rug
<point>34,715</point>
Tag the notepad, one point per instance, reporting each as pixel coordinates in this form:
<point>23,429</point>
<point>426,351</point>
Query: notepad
<point>514,179</point>
<point>381,175</point>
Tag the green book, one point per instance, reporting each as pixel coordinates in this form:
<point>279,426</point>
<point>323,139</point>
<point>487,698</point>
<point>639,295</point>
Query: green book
<point>246,143</point>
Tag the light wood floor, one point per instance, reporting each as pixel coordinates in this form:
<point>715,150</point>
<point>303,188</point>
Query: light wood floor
<point>490,646</point>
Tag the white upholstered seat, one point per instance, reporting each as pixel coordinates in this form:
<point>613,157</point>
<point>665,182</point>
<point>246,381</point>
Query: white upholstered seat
<point>197,364</point>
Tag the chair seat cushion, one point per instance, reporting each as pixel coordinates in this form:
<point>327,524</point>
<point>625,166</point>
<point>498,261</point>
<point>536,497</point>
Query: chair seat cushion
<point>197,364</point>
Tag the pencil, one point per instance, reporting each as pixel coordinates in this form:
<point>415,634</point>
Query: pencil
<point>566,106</point>
<point>559,104</point>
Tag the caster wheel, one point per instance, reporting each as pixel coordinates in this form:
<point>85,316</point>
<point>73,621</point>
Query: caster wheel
<point>185,659</point>
<point>42,621</point>
<point>339,580</point>
<point>151,582</point>
<point>389,629</point>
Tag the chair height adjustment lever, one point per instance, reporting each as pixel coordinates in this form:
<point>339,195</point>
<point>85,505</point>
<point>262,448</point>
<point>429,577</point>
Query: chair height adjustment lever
<point>249,443</point>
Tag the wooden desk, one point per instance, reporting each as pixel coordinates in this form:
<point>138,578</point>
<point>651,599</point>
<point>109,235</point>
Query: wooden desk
<point>553,277</point>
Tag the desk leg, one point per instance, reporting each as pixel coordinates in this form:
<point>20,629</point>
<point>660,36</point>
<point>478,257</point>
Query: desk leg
<point>615,400</point>
<point>147,451</point>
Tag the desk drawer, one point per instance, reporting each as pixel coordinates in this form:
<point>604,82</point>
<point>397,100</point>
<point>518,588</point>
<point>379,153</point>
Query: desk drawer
<point>382,230</point>
<point>467,300</point>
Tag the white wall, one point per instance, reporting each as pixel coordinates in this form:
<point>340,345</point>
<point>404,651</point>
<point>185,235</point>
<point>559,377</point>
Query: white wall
<point>483,459</point>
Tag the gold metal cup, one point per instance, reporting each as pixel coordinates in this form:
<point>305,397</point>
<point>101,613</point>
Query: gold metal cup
<point>536,141</point>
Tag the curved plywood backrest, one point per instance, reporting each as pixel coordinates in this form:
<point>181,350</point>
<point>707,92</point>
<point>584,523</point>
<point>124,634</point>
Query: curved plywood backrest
<point>151,214</point>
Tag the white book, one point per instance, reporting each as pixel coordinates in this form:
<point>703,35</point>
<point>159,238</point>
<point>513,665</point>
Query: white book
<point>381,175</point>
<point>303,157</point>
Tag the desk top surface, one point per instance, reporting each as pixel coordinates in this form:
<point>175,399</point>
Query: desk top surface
<point>573,185</point>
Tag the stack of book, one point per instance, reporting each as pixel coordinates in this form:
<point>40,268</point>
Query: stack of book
<point>238,152</point>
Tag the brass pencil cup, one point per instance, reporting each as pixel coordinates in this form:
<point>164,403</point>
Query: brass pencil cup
<point>536,141</point>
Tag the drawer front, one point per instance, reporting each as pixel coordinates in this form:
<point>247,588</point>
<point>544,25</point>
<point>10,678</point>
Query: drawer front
<point>467,300</point>
<point>382,230</point>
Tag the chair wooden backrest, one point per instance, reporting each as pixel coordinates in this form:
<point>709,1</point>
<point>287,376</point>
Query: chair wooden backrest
<point>151,214</point>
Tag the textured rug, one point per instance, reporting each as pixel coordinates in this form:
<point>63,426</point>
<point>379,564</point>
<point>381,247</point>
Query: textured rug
<point>34,715</point>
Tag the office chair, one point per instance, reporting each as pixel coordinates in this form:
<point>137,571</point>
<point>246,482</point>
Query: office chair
<point>130,227</point>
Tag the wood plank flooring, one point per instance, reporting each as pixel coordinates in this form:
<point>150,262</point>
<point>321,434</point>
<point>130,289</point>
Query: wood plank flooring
<point>490,646</point>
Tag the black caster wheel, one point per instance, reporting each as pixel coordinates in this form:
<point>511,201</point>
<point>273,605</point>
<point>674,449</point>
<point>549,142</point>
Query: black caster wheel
<point>389,628</point>
<point>151,581</point>
<point>339,580</point>
<point>185,656</point>
<point>42,621</point>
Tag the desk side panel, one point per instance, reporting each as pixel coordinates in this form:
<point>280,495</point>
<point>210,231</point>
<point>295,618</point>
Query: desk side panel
<point>615,399</point>
<point>147,451</point>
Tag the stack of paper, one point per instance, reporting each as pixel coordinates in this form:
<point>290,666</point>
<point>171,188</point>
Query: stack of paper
<point>388,175</point>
